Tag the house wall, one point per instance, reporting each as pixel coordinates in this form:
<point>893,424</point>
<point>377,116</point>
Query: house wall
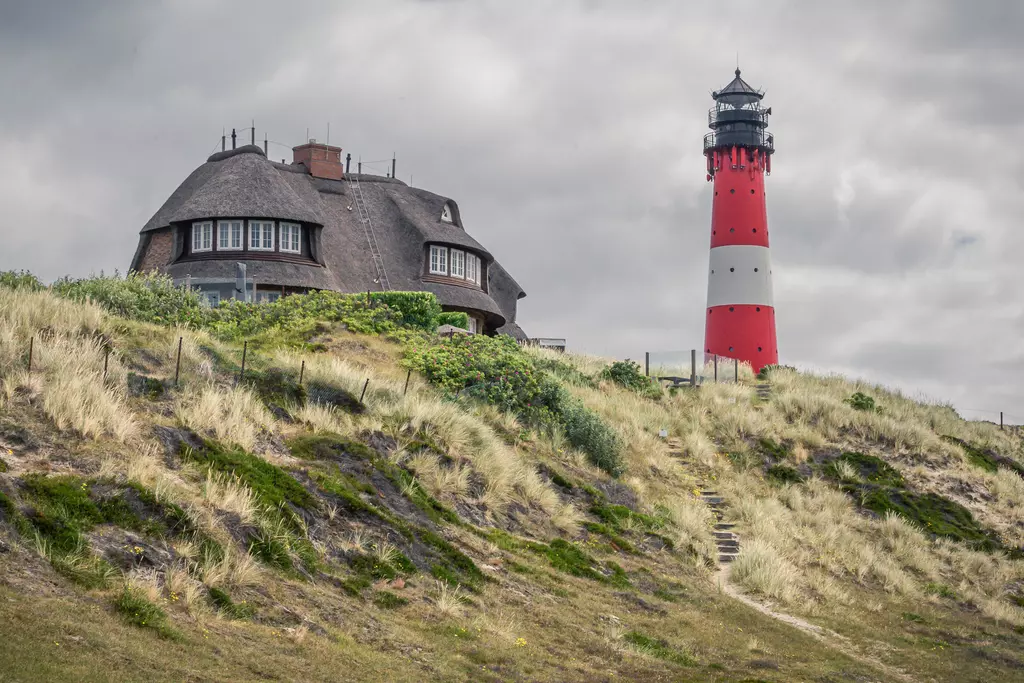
<point>159,251</point>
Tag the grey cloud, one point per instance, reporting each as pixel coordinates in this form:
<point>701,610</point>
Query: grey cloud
<point>570,134</point>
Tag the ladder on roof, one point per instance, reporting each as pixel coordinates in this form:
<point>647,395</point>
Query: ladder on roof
<point>371,237</point>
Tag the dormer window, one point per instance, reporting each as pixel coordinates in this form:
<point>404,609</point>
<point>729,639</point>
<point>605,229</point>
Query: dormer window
<point>202,236</point>
<point>458,263</point>
<point>438,261</point>
<point>261,235</point>
<point>291,238</point>
<point>472,268</point>
<point>446,213</point>
<point>229,235</point>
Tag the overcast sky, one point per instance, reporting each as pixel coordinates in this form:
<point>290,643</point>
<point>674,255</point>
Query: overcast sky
<point>570,135</point>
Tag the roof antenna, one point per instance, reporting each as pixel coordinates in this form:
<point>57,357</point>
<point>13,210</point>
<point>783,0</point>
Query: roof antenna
<point>328,134</point>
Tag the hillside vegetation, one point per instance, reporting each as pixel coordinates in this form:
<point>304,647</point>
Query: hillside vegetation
<point>369,501</point>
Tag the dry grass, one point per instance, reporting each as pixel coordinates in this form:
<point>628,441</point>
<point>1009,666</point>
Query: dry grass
<point>228,493</point>
<point>233,416</point>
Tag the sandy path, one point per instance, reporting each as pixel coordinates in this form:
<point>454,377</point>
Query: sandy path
<point>831,638</point>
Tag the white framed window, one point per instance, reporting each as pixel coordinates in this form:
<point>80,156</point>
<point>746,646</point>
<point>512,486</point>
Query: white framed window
<point>267,297</point>
<point>458,263</point>
<point>291,238</point>
<point>229,235</point>
<point>473,268</point>
<point>446,213</point>
<point>472,325</point>
<point>261,235</point>
<point>212,299</point>
<point>438,261</point>
<point>202,236</point>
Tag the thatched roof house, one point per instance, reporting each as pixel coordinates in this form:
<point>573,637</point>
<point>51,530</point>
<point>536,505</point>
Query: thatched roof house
<point>310,225</point>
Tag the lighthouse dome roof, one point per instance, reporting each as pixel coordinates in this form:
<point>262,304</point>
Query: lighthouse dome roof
<point>738,92</point>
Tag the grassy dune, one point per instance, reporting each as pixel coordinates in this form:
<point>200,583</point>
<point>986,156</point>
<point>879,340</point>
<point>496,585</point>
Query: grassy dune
<point>265,531</point>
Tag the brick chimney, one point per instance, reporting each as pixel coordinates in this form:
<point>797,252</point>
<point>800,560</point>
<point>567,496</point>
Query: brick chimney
<point>322,161</point>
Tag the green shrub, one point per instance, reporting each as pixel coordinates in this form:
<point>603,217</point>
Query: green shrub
<point>147,297</point>
<point>586,431</point>
<point>497,371</point>
<point>21,279</point>
<point>860,401</point>
<point>767,370</point>
<point>627,373</point>
<point>454,318</point>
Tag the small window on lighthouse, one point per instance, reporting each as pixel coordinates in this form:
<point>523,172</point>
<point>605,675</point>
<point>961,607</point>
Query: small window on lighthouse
<point>446,213</point>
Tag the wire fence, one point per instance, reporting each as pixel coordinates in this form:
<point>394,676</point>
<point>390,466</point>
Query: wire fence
<point>276,376</point>
<point>687,368</point>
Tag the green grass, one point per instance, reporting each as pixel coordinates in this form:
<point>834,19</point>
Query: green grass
<point>387,600</point>
<point>782,474</point>
<point>773,450</point>
<point>659,648</point>
<point>136,610</point>
<point>231,609</point>
<point>271,484</point>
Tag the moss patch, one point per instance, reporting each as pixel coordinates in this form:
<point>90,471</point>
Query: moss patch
<point>228,607</point>
<point>659,648</point>
<point>328,447</point>
<point>271,485</point>
<point>781,474</point>
<point>386,600</point>
<point>933,513</point>
<point>773,450</point>
<point>986,459</point>
<point>868,468</point>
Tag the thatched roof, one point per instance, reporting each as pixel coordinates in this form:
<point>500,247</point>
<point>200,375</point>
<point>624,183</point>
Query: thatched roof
<point>244,183</point>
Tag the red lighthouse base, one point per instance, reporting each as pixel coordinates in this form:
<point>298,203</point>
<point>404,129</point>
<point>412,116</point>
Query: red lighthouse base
<point>746,332</point>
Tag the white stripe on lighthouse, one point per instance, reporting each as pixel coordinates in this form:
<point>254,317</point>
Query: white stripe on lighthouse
<point>740,274</point>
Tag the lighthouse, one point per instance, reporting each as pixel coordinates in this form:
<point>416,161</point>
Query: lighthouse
<point>740,314</point>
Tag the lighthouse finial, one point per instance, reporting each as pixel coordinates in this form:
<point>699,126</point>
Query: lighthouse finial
<point>737,62</point>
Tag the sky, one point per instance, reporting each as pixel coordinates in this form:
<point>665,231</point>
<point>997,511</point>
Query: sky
<point>570,132</point>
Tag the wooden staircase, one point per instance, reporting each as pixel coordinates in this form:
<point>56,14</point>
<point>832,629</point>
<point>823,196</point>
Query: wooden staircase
<point>727,541</point>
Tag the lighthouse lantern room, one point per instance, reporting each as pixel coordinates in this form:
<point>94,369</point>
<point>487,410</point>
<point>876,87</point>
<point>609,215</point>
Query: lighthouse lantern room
<point>740,314</point>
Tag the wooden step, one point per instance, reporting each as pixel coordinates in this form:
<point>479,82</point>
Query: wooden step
<point>726,535</point>
<point>727,557</point>
<point>724,526</point>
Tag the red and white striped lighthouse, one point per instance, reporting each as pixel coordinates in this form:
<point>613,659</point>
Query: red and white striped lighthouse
<point>740,318</point>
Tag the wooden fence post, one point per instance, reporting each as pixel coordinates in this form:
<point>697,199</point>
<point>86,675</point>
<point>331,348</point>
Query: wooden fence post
<point>302,372</point>
<point>693,368</point>
<point>1000,420</point>
<point>31,348</point>
<point>241,374</point>
<point>407,376</point>
<point>364,390</point>
<point>736,367</point>
<point>647,363</point>
<point>177,365</point>
<point>716,367</point>
<point>106,360</point>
